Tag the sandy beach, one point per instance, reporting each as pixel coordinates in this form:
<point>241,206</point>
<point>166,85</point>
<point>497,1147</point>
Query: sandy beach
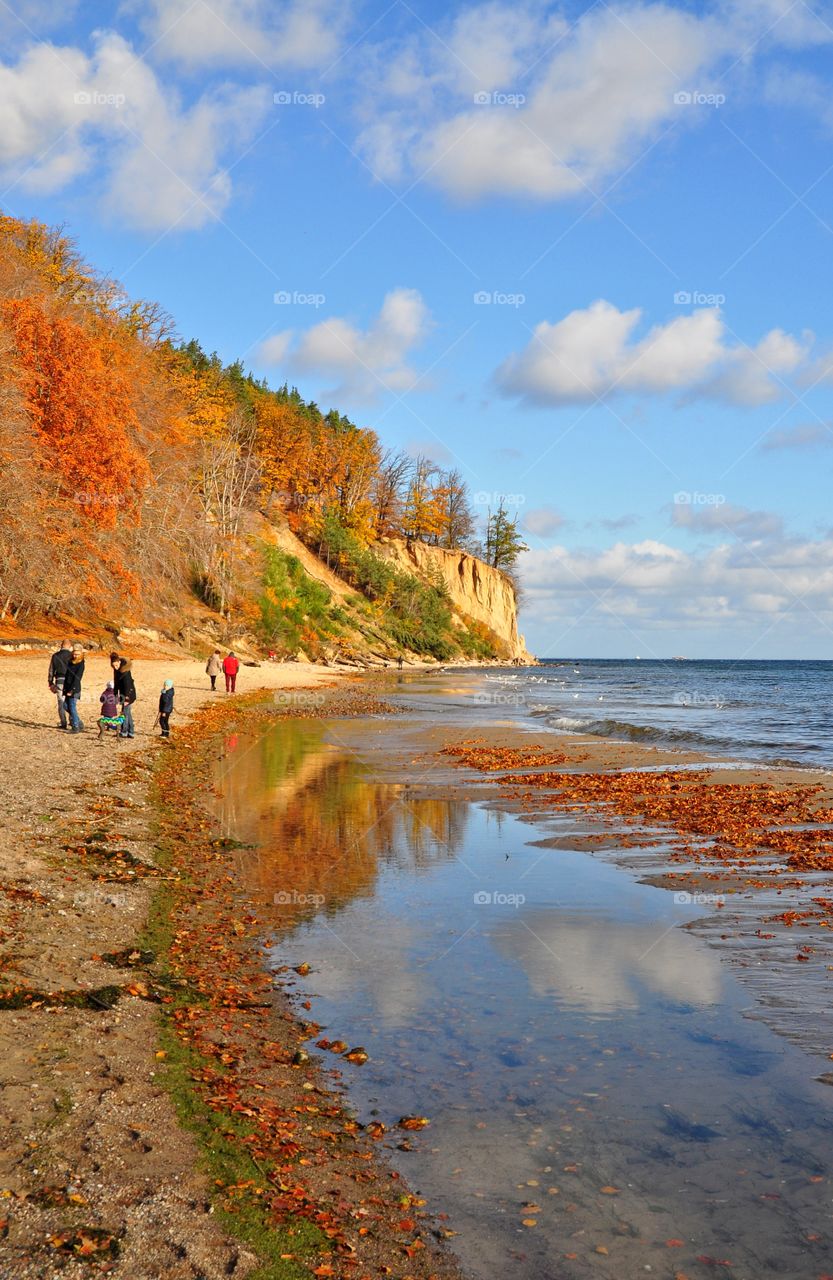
<point>79,1104</point>
<point>93,1129</point>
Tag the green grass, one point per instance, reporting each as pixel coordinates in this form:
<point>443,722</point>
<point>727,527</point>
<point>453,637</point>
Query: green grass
<point>222,1155</point>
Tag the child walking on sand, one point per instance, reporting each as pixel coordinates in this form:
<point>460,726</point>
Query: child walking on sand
<point>166,706</point>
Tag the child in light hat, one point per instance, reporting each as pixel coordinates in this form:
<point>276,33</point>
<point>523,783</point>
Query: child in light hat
<point>166,706</point>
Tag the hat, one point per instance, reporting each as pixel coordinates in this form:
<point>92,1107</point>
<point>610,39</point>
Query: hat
<point>169,684</point>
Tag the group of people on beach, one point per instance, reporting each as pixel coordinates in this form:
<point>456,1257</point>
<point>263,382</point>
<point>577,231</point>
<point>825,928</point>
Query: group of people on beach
<point>66,672</point>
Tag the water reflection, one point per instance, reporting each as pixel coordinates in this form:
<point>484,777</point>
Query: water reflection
<point>584,1062</point>
<point>320,828</point>
<point>603,965</point>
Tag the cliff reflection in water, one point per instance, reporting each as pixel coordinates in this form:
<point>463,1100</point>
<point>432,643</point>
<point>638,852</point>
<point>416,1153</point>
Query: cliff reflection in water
<point>319,827</point>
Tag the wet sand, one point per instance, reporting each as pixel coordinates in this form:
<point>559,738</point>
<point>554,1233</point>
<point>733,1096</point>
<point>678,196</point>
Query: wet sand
<point>602,1094</point>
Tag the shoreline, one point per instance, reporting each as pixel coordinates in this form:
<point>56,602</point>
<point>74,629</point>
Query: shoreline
<point>114,1146</point>
<point>89,1118</point>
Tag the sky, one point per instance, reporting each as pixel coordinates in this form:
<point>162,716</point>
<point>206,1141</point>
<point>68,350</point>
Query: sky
<point>581,251</point>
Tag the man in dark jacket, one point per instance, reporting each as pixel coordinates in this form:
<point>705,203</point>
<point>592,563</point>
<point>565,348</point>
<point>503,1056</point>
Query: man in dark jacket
<point>72,687</point>
<point>126,693</point>
<point>58,664</point>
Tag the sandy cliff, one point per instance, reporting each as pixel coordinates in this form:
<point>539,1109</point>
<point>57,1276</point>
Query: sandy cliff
<point>476,590</point>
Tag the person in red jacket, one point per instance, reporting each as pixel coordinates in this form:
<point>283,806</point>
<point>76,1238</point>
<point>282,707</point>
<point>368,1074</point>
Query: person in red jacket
<point>231,666</point>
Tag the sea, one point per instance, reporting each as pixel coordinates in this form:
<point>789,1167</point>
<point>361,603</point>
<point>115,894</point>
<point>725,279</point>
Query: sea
<point>778,712</point>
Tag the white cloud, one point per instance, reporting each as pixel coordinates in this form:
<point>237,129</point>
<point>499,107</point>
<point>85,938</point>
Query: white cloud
<point>259,33</point>
<point>595,353</point>
<point>808,435</point>
<point>585,98</point>
<point>651,586</point>
<point>592,94</point>
<point>542,522</point>
<point>361,361</point>
<point>65,111</point>
<point>727,519</point>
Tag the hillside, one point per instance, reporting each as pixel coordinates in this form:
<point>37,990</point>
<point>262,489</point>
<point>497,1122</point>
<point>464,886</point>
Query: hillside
<point>151,495</point>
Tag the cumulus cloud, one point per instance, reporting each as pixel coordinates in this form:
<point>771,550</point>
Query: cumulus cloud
<point>516,101</point>
<point>595,353</point>
<point>302,34</point>
<point>649,585</point>
<point>360,361</point>
<point>542,522</point>
<point>65,110</point>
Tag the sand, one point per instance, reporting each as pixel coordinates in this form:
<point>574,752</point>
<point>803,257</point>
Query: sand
<point>80,1109</point>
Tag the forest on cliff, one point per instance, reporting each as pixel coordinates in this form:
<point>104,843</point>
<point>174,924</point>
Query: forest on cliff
<point>138,473</point>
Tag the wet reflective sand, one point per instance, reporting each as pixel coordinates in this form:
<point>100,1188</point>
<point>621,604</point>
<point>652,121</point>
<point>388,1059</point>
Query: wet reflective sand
<point>598,1102</point>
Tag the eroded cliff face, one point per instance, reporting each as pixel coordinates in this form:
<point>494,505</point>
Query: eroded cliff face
<point>476,590</point>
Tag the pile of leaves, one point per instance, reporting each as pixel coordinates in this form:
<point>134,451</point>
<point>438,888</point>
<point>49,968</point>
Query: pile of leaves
<point>777,829</point>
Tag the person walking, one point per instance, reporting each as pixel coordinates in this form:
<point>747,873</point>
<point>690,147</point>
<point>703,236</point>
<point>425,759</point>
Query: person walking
<point>231,666</point>
<point>213,668</point>
<point>166,706</point>
<point>58,664</point>
<point>72,687</point>
<point>126,693</point>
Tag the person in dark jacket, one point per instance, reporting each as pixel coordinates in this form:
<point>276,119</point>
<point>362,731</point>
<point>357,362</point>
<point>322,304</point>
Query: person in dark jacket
<point>166,706</point>
<point>126,693</point>
<point>231,666</point>
<point>58,664</point>
<point>72,687</point>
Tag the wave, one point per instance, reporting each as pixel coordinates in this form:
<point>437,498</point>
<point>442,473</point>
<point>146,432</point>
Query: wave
<point>627,731</point>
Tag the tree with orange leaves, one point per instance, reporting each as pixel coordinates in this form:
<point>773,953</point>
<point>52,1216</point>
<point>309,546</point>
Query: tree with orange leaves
<point>82,412</point>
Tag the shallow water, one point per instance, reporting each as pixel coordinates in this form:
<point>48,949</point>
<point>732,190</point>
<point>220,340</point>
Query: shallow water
<point>585,1063</point>
<point>763,711</point>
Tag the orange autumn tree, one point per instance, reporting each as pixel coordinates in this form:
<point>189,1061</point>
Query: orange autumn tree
<point>81,410</point>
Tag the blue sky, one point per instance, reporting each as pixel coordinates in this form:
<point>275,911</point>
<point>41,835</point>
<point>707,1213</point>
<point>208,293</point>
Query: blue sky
<point>642,193</point>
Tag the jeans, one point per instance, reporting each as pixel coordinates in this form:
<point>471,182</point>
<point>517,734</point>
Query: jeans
<point>164,724</point>
<point>72,711</point>
<point>127,729</point>
<point>59,698</point>
<point>231,681</point>
<point>213,680</point>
